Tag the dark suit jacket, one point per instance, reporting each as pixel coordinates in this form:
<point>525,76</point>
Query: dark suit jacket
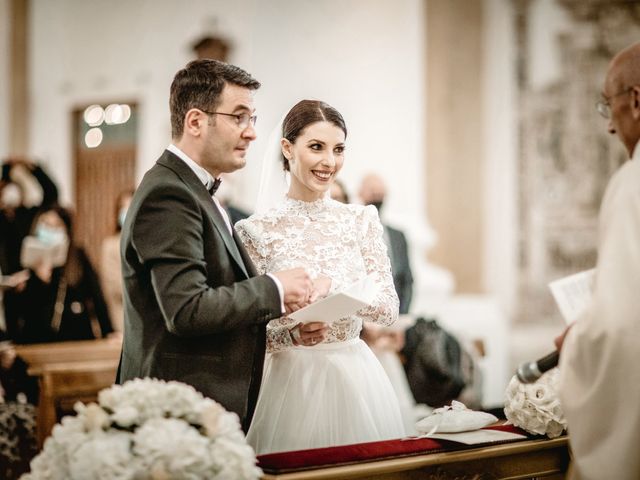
<point>194,310</point>
<point>400,267</point>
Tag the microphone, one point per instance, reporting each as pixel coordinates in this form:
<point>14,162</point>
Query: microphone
<point>529,372</point>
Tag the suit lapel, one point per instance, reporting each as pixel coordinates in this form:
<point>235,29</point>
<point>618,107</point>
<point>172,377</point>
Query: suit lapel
<point>221,226</point>
<point>187,175</point>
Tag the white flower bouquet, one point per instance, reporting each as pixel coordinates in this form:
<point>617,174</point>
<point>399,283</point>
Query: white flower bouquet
<point>535,407</point>
<point>147,429</point>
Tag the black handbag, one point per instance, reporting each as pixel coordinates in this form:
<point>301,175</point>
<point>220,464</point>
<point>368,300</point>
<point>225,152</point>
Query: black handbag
<point>437,366</point>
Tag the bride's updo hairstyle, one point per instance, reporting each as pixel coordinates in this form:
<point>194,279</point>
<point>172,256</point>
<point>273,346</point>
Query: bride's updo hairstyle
<point>303,114</point>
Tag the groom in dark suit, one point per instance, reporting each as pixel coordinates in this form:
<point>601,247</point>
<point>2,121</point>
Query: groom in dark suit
<point>195,311</point>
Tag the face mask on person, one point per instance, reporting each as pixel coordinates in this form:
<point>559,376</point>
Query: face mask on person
<point>121,216</point>
<point>50,236</point>
<point>11,196</point>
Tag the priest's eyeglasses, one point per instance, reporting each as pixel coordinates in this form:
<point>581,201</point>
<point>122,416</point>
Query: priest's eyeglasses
<point>604,105</point>
<point>242,119</point>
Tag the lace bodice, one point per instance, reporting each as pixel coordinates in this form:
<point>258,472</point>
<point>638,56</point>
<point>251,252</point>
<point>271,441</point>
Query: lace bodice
<point>343,242</point>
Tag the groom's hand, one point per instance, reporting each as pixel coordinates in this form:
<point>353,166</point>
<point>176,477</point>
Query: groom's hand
<point>297,286</point>
<point>321,287</point>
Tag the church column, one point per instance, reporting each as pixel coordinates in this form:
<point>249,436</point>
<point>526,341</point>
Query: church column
<point>18,77</point>
<point>454,173</point>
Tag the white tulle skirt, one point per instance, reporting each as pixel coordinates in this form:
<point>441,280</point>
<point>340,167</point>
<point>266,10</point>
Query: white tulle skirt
<point>330,394</point>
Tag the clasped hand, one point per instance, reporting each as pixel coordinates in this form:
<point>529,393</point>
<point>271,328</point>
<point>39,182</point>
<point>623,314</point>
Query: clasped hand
<point>312,333</point>
<point>309,334</point>
<point>299,291</point>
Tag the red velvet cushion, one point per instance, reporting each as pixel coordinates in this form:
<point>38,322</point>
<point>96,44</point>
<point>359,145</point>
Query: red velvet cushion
<point>348,454</point>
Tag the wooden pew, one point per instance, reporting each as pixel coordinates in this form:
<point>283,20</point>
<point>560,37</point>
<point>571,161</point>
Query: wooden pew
<point>68,372</point>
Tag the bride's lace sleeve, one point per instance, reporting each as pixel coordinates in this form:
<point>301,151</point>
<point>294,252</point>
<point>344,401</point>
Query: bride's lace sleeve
<point>278,336</point>
<point>252,237</point>
<point>384,309</point>
<point>250,234</point>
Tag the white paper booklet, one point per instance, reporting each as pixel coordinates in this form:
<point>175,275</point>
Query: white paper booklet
<point>340,304</point>
<point>573,293</point>
<point>478,436</point>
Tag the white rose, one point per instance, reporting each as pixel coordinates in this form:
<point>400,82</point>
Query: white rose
<point>94,417</point>
<point>175,445</point>
<point>125,416</point>
<point>107,398</point>
<point>235,460</point>
<point>103,456</point>
<point>229,427</point>
<point>50,464</point>
<point>210,418</point>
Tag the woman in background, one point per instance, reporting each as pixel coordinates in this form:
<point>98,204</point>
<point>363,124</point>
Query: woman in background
<point>110,267</point>
<point>62,299</point>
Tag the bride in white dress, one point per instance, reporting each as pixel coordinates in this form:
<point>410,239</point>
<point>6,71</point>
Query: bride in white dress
<point>322,385</point>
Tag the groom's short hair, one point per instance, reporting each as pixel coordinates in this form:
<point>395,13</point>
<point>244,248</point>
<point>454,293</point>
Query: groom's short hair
<point>199,85</point>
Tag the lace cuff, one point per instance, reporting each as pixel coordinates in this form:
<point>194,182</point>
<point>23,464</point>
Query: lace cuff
<point>278,339</point>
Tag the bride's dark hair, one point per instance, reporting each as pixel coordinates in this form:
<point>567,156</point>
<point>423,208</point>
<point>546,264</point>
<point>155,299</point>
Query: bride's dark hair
<point>304,113</point>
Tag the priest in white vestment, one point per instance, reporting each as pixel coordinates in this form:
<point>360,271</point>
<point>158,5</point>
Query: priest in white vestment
<point>599,361</point>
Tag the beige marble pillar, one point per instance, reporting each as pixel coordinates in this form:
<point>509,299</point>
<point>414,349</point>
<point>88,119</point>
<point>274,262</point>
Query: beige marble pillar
<point>454,173</point>
<point>18,78</point>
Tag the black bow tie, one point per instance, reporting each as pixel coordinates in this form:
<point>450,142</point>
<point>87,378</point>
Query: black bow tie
<point>213,188</point>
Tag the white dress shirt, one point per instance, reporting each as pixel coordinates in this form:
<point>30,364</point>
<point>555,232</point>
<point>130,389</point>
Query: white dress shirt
<point>205,177</point>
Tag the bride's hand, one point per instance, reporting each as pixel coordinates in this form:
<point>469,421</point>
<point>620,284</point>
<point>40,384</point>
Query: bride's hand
<point>321,287</point>
<point>309,334</point>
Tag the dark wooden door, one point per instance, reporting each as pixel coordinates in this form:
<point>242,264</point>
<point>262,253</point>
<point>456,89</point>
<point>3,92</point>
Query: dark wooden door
<point>101,174</point>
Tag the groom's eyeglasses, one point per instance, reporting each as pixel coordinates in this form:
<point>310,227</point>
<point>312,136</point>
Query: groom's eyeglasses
<point>242,119</point>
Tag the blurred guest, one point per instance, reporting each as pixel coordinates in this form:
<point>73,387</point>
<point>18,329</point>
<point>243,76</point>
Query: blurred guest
<point>24,189</point>
<point>339,192</point>
<point>110,267</point>
<point>62,299</point>
<point>372,192</point>
<point>387,343</point>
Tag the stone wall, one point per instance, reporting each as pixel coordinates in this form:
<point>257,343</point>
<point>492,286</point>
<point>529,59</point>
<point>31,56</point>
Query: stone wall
<point>566,156</point>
